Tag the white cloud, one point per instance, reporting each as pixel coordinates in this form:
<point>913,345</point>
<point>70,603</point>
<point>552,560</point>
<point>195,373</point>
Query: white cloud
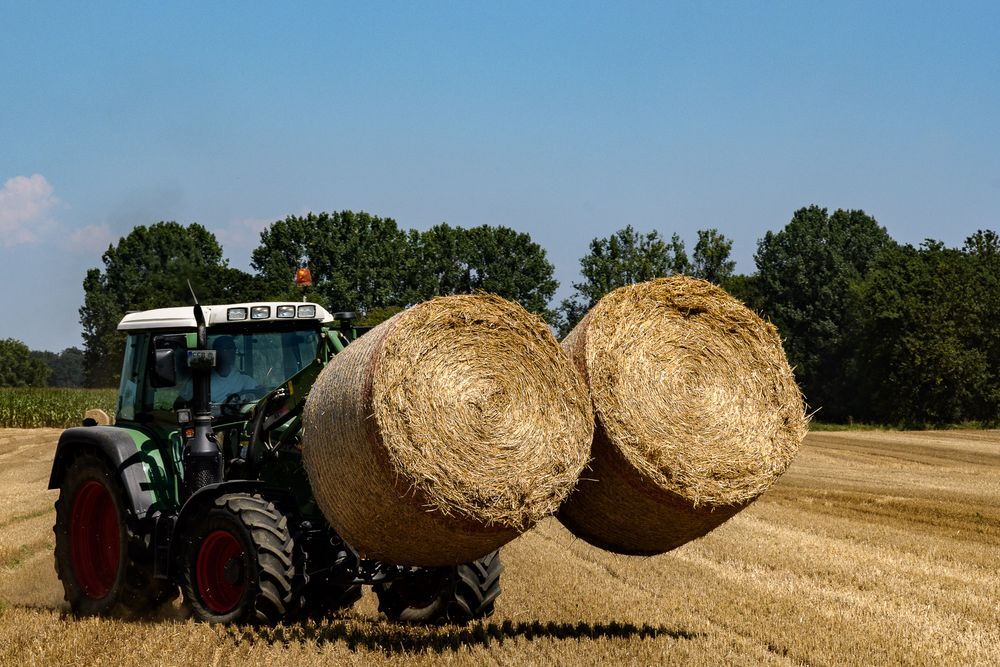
<point>25,202</point>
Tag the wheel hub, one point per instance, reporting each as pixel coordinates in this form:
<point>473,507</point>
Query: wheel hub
<point>233,571</point>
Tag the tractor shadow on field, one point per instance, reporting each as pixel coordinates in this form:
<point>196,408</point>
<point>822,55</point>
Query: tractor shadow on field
<point>397,638</point>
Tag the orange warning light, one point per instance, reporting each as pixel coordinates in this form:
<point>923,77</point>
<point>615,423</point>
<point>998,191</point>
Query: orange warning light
<point>303,277</point>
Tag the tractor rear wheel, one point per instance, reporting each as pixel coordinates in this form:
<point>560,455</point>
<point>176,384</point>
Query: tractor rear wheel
<point>241,564</point>
<point>447,595</point>
<point>104,566</point>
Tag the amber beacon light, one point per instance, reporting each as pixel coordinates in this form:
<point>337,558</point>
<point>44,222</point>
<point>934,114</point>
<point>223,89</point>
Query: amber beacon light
<point>303,277</point>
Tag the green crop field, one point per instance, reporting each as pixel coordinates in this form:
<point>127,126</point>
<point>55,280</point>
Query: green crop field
<point>59,408</point>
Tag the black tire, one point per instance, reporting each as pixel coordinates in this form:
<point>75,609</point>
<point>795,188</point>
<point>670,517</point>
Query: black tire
<point>445,595</point>
<point>241,564</point>
<point>103,562</point>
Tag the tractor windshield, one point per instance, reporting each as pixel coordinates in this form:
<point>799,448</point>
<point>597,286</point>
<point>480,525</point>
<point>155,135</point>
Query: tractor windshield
<point>259,360</point>
<point>248,365</point>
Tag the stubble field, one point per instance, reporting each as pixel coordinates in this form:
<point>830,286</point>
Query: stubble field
<point>874,548</point>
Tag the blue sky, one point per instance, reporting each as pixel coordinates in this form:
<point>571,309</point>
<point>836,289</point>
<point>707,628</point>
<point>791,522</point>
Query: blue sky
<point>566,121</point>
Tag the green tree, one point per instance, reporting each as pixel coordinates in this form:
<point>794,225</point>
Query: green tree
<point>984,244</point>
<point>454,260</point>
<point>434,262</point>
<point>804,277</point>
<point>357,260</point>
<point>624,258</point>
<point>67,366</point>
<point>18,367</point>
<point>745,288</point>
<point>150,268</point>
<point>711,260</point>
<point>983,250</point>
<point>678,256</point>
<point>928,335</point>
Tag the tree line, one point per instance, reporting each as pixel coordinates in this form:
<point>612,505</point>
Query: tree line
<point>880,331</point>
<point>877,331</point>
<point>22,367</point>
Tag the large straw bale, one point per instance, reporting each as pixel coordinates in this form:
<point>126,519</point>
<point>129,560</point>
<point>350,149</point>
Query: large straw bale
<point>697,414</point>
<point>446,431</point>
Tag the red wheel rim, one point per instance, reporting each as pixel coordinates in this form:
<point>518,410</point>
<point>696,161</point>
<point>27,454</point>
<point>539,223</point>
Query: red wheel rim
<point>94,540</point>
<point>221,571</point>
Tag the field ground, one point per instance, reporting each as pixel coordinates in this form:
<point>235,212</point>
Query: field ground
<point>875,548</point>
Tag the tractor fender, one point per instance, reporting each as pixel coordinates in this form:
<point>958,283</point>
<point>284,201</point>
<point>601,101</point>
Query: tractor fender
<point>203,497</point>
<point>119,448</point>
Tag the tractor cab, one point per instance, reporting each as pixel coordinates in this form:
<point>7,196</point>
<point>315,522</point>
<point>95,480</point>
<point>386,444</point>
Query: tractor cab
<point>251,349</point>
<point>222,387</point>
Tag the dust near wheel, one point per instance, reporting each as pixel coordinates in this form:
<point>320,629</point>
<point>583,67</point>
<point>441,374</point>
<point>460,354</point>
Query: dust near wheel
<point>459,595</point>
<point>241,564</point>
<point>103,564</point>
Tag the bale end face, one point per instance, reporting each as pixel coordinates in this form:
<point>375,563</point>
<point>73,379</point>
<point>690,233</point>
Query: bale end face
<point>446,431</point>
<point>697,409</point>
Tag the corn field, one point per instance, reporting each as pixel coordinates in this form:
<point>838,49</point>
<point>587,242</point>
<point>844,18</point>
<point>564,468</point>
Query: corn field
<point>59,408</point>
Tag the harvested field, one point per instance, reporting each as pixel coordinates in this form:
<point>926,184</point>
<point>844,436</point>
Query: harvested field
<point>874,548</point>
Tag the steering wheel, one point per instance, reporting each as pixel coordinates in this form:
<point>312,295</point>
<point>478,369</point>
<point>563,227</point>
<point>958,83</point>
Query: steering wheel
<point>232,406</point>
<point>235,404</point>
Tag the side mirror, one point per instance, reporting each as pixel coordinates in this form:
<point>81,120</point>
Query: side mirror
<point>346,318</point>
<point>164,369</point>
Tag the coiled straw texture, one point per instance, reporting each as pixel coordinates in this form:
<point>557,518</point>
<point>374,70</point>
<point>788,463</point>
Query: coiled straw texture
<point>697,414</point>
<point>446,431</point>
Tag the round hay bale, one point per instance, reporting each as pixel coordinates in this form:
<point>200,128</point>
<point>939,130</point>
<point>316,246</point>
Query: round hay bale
<point>446,431</point>
<point>97,416</point>
<point>697,414</point>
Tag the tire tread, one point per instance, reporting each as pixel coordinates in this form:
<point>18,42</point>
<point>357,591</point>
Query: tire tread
<point>279,564</point>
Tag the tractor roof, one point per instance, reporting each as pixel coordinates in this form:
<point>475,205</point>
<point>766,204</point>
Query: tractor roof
<point>258,312</point>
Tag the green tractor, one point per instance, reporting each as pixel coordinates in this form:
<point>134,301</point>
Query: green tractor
<point>199,488</point>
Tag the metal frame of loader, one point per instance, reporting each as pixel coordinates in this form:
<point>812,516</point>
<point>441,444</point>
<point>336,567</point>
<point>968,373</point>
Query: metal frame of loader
<point>220,507</point>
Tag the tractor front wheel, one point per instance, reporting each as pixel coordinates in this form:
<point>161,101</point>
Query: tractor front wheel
<point>104,566</point>
<point>241,564</point>
<point>446,595</point>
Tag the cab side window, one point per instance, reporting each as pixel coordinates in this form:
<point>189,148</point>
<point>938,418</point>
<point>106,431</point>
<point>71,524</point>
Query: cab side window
<point>130,377</point>
<point>161,402</point>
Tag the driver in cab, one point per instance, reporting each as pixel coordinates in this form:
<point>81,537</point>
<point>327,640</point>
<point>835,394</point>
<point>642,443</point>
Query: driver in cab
<point>227,379</point>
